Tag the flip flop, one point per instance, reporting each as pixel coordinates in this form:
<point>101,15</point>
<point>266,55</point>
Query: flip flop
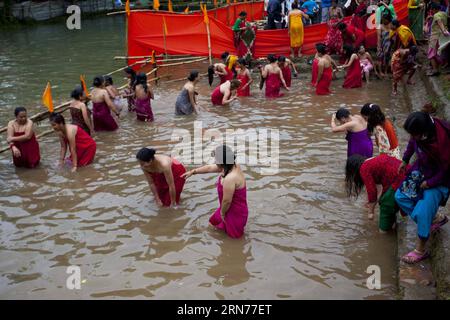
<point>436,226</point>
<point>415,257</point>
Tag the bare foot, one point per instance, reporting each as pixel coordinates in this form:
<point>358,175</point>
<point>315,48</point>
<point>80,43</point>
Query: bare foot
<point>410,82</point>
<point>370,216</point>
<point>394,92</point>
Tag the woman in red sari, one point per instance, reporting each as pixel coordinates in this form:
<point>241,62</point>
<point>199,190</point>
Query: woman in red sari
<point>323,75</point>
<point>333,40</point>
<point>353,77</point>
<point>351,35</point>
<point>223,93</point>
<point>103,106</point>
<point>81,146</point>
<point>221,70</point>
<point>285,66</point>
<point>22,140</point>
<point>359,18</point>
<point>243,75</point>
<point>274,78</point>
<point>144,94</point>
<point>164,176</point>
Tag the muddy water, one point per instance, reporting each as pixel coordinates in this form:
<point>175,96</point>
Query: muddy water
<point>304,239</point>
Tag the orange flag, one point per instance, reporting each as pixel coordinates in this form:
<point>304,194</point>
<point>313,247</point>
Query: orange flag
<point>165,26</point>
<point>47,97</point>
<point>205,13</point>
<point>156,4</point>
<point>127,7</point>
<point>83,84</point>
<point>153,61</point>
<point>170,6</point>
<point>186,10</point>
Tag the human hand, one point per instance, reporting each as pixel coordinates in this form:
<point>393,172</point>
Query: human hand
<point>159,202</point>
<point>16,152</point>
<point>188,174</point>
<point>74,169</point>
<point>424,185</point>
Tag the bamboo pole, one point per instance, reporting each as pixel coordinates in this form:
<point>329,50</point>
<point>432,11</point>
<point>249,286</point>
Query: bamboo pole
<point>180,63</point>
<point>172,57</point>
<point>133,64</point>
<point>209,43</point>
<point>148,73</point>
<point>164,39</point>
<point>184,78</point>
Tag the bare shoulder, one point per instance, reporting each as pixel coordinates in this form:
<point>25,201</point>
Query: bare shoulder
<point>11,123</point>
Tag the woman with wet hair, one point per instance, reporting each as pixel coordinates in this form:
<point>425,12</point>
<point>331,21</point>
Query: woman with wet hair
<point>428,180</point>
<point>225,93</point>
<point>232,214</point>
<point>285,66</point>
<point>221,70</point>
<point>102,107</point>
<point>186,101</point>
<point>353,77</point>
<point>82,147</point>
<point>243,75</point>
<point>113,93</point>
<point>274,78</point>
<point>382,128</point>
<point>357,135</point>
<point>164,175</point>
<point>322,71</point>
<point>22,140</point>
<point>129,91</point>
<point>143,94</point>
<point>81,116</point>
<point>381,170</point>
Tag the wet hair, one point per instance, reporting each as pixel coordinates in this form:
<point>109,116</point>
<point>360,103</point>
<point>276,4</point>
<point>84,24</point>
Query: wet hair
<point>375,117</point>
<point>271,57</point>
<point>132,73</point>
<point>348,50</point>
<point>19,110</point>
<point>321,48</point>
<point>281,59</point>
<point>342,26</point>
<point>242,14</point>
<point>108,80</point>
<point>342,113</point>
<point>225,158</point>
<point>77,93</point>
<point>98,81</point>
<point>193,75</point>
<point>141,79</point>
<point>210,74</point>
<point>420,123</point>
<point>225,55</point>
<point>242,62</point>
<point>146,154</point>
<point>353,180</point>
<point>395,23</point>
<point>57,118</point>
<point>235,83</point>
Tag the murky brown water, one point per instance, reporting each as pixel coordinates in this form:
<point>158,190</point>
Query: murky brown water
<point>304,239</point>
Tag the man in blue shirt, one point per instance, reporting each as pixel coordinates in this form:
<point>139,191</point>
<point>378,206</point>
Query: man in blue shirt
<point>311,8</point>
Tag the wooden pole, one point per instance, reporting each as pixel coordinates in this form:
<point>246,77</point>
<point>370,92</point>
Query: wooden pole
<point>164,39</point>
<point>209,43</point>
<point>172,57</point>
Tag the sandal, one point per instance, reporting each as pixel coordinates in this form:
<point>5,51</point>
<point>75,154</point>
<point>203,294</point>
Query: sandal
<point>436,226</point>
<point>415,257</point>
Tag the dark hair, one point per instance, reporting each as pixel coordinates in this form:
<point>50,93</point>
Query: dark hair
<point>281,59</point>
<point>387,16</point>
<point>295,5</point>
<point>193,75</point>
<point>146,154</point>
<point>225,158</point>
<point>271,57</point>
<point>375,116</point>
<point>141,79</point>
<point>225,55</point>
<point>395,23</point>
<point>236,83</point>
<point>348,50</point>
<point>342,26</point>
<point>210,74</point>
<point>242,62</point>
<point>57,118</point>
<point>419,123</point>
<point>108,80</point>
<point>98,81</point>
<point>242,14</point>
<point>435,6</point>
<point>353,180</point>
<point>132,73</point>
<point>342,113</point>
<point>19,110</point>
<point>77,93</point>
<point>321,48</point>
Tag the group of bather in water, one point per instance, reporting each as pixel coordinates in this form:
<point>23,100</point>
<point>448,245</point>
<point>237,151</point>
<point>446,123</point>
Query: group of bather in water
<point>417,189</point>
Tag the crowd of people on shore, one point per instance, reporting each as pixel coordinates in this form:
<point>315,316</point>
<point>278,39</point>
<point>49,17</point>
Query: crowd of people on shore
<point>416,189</point>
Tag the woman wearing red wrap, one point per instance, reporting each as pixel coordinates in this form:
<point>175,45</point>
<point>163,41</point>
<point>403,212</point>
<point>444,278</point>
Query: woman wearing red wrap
<point>323,74</point>
<point>353,77</point>
<point>351,35</point>
<point>221,70</point>
<point>274,78</point>
<point>22,140</point>
<point>163,174</point>
<point>243,75</point>
<point>223,93</point>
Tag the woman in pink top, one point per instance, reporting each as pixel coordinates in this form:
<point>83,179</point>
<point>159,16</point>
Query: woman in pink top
<point>231,216</point>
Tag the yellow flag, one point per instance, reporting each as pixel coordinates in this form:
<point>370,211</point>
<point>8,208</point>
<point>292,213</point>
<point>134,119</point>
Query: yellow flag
<point>127,7</point>
<point>165,26</point>
<point>156,4</point>
<point>170,6</point>
<point>47,97</point>
<point>83,84</point>
<point>205,13</point>
<point>186,10</point>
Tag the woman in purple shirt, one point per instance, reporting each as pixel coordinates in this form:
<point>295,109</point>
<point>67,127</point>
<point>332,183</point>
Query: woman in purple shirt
<point>428,180</point>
